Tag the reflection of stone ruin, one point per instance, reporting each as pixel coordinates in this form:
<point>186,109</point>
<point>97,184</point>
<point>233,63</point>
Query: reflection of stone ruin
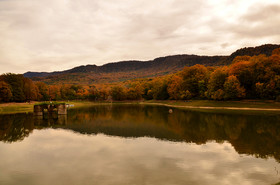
<point>39,121</point>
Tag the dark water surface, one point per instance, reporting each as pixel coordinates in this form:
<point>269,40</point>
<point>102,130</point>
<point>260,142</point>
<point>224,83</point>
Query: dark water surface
<point>136,144</point>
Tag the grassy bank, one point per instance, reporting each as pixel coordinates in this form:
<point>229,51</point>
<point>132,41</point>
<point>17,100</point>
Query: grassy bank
<point>11,108</point>
<point>232,107</point>
<point>8,108</point>
<point>202,105</point>
<point>219,104</point>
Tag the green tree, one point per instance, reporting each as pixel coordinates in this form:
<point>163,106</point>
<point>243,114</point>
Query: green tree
<point>43,91</point>
<point>68,92</point>
<point>5,92</point>
<point>118,93</point>
<point>17,86</point>
<point>158,89</point>
<point>133,94</point>
<point>244,72</point>
<point>195,79</point>
<point>232,88</point>
<point>216,82</point>
<point>94,94</point>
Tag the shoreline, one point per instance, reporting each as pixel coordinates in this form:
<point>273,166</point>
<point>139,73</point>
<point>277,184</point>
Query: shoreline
<point>245,105</point>
<point>217,108</point>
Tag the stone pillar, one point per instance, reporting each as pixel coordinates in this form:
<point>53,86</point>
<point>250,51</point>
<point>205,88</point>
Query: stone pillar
<point>61,109</point>
<point>38,111</point>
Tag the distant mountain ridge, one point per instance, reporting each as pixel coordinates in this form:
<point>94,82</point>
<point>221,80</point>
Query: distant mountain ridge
<point>125,70</point>
<point>177,61</point>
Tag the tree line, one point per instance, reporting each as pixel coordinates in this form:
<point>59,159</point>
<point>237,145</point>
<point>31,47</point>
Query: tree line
<point>248,77</point>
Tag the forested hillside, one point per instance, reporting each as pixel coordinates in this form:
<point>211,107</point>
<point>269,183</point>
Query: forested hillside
<point>120,71</point>
<point>126,70</point>
<point>247,77</point>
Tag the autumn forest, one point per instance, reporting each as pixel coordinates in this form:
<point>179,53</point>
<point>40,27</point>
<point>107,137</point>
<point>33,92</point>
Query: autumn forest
<point>247,77</point>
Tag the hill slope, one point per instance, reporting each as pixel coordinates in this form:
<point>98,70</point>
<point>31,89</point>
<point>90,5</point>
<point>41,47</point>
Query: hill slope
<point>124,70</point>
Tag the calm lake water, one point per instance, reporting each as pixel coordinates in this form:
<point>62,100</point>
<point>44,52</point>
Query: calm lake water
<point>136,144</point>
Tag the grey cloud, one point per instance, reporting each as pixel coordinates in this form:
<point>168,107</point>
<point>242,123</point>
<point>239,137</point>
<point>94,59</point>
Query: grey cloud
<point>82,32</point>
<point>259,13</point>
<point>224,45</point>
<point>257,31</point>
<point>259,22</point>
<point>257,25</point>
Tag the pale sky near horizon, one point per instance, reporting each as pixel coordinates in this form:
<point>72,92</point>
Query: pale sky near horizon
<point>55,35</point>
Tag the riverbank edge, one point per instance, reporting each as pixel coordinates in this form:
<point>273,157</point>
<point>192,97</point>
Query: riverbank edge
<point>245,105</point>
<point>212,108</point>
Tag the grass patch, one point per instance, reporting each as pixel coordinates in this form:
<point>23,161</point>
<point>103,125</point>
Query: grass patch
<point>246,107</point>
<point>208,103</point>
<point>50,103</point>
<point>86,103</point>
<point>11,108</point>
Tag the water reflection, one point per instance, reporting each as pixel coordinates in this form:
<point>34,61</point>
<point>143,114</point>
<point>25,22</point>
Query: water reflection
<point>258,135</point>
<point>133,144</point>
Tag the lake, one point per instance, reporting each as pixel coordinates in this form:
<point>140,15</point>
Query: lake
<point>138,144</point>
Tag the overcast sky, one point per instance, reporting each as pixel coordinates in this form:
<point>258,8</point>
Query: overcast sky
<point>49,35</point>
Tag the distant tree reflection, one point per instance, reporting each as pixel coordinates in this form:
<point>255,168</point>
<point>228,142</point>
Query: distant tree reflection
<point>257,135</point>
